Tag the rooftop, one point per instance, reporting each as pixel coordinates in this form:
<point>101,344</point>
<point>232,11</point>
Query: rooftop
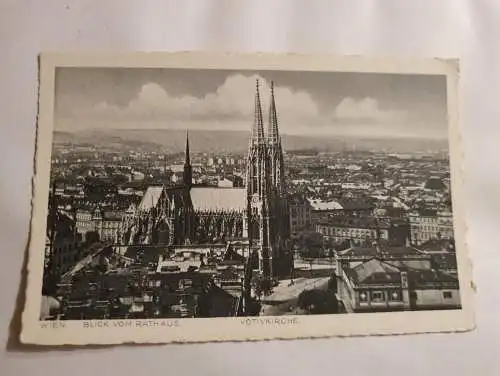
<point>177,266</point>
<point>357,222</point>
<point>325,205</point>
<point>438,246</point>
<point>150,198</point>
<point>376,272</point>
<point>380,251</point>
<point>218,199</point>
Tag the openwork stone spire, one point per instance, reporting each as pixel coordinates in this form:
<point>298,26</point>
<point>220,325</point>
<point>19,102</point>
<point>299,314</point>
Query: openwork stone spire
<point>258,125</point>
<point>273,133</point>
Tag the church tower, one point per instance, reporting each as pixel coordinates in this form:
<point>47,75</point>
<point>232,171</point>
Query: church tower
<point>188,169</point>
<point>277,167</point>
<point>274,147</point>
<point>258,192</point>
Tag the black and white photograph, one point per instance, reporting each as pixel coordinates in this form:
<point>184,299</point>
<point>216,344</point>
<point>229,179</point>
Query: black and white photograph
<point>179,192</point>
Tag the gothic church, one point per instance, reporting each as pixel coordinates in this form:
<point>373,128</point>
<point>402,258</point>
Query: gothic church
<point>195,214</point>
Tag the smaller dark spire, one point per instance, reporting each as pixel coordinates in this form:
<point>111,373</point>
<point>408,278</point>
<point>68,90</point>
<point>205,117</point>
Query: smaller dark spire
<point>188,157</point>
<point>188,170</point>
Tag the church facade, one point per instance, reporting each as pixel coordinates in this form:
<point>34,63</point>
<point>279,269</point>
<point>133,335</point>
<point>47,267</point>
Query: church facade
<point>192,214</point>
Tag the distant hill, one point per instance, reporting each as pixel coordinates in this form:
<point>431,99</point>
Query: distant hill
<point>173,140</point>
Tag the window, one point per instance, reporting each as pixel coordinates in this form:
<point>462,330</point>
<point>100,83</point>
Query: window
<point>363,297</point>
<point>185,284</point>
<point>447,294</point>
<point>395,296</point>
<point>377,296</point>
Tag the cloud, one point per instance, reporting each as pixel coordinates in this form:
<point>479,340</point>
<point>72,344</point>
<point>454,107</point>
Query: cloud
<point>231,106</point>
<point>366,109</point>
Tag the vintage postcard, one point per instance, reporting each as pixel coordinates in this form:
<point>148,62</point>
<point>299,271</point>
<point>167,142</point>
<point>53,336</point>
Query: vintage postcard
<point>193,197</point>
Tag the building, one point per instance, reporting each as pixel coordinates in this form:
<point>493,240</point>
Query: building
<point>427,225</point>
<point>300,213</point>
<point>84,220</point>
<point>321,210</point>
<point>156,282</point>
<point>393,278</point>
<point>231,181</point>
<point>364,230</point>
<point>197,214</point>
<point>345,207</point>
<point>355,207</point>
<point>106,224</point>
<point>62,240</point>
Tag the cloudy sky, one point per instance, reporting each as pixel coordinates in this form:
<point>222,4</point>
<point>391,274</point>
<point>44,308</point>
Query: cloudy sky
<point>309,103</point>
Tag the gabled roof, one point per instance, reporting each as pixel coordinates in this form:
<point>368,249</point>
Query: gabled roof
<point>218,199</point>
<point>373,269</point>
<point>375,272</point>
<point>150,198</point>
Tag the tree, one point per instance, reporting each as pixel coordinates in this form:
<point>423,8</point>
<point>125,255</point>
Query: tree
<point>262,287</point>
<point>312,240</point>
<point>252,308</point>
<point>318,302</point>
<point>332,284</point>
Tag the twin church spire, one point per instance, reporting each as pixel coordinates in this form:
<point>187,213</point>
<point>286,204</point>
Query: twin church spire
<point>266,192</point>
<point>258,136</point>
<point>267,209</point>
<point>268,145</point>
<point>265,157</point>
<point>265,168</point>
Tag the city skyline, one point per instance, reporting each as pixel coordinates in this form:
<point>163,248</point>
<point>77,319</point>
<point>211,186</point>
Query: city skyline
<point>247,234</point>
<point>332,204</point>
<point>311,103</point>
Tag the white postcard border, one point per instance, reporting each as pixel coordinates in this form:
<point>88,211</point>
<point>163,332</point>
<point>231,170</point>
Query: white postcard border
<point>239,328</point>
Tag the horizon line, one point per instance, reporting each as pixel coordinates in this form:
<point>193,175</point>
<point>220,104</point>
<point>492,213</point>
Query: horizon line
<point>341,135</point>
